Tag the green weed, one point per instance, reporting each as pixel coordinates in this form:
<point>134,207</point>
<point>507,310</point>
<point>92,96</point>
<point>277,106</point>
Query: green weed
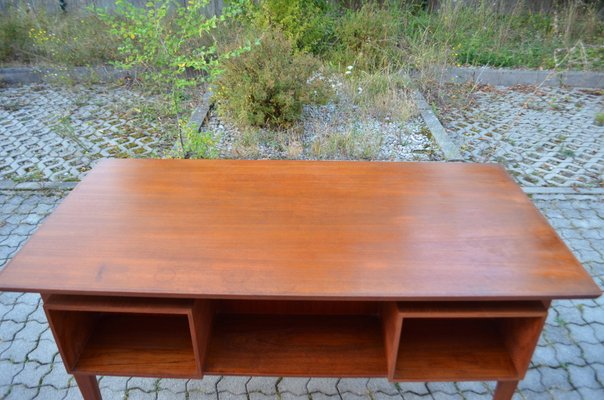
<point>269,85</point>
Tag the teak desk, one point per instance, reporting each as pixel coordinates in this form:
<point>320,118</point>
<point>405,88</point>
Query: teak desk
<point>412,271</point>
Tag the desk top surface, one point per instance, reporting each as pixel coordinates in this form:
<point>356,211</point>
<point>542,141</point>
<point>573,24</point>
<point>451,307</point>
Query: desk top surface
<point>298,230</point>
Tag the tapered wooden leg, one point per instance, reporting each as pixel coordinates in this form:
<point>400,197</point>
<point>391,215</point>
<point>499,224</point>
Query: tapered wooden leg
<point>89,387</point>
<point>505,390</point>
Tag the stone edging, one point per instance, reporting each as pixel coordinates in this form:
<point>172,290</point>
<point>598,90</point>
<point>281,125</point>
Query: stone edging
<point>200,113</point>
<point>449,149</point>
<point>29,75</point>
<point>545,190</point>
<point>511,77</point>
<point>10,185</point>
<point>481,75</point>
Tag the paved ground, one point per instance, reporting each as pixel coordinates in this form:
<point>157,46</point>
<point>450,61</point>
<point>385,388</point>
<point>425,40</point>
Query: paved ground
<point>568,363</point>
<point>544,136</point>
<point>56,133</point>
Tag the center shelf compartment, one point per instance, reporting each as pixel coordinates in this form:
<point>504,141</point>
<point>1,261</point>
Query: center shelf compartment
<point>298,343</point>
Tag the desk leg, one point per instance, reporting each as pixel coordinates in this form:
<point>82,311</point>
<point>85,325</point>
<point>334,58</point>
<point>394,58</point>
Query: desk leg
<point>89,387</point>
<point>505,390</point>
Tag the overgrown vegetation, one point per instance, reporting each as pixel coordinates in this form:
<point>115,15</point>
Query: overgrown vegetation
<point>269,84</point>
<point>352,144</point>
<point>267,59</point>
<point>78,38</point>
<point>170,44</point>
<point>174,49</point>
<point>309,24</point>
<point>385,95</point>
<point>368,39</point>
<point>482,36</point>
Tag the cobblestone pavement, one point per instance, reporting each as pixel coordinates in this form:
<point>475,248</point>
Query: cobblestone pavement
<point>53,133</point>
<point>568,363</point>
<point>544,136</point>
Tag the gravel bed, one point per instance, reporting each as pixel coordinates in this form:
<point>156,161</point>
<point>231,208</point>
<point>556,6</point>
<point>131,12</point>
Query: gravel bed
<point>338,130</point>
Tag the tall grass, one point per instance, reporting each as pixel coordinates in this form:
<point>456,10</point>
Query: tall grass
<point>35,36</point>
<point>480,35</point>
<point>371,35</point>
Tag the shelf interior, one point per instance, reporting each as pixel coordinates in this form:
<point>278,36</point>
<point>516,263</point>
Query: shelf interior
<point>405,341</point>
<point>140,345</point>
<point>296,345</point>
<point>452,349</point>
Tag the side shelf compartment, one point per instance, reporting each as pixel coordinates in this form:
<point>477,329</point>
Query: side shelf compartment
<point>130,336</point>
<point>461,340</point>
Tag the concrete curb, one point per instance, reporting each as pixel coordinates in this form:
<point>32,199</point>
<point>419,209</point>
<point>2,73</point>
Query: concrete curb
<point>30,75</point>
<point>197,119</point>
<point>450,150</point>
<point>562,190</point>
<point>481,75</point>
<point>511,77</point>
<point>10,185</point>
<point>200,113</point>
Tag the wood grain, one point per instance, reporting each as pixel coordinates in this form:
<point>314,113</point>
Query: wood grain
<point>139,305</point>
<point>520,336</point>
<point>89,386</point>
<point>200,323</point>
<point>452,349</point>
<point>140,345</point>
<point>505,390</point>
<point>292,307</point>
<point>392,322</point>
<point>301,345</point>
<point>298,230</point>
<point>471,309</point>
<point>71,332</point>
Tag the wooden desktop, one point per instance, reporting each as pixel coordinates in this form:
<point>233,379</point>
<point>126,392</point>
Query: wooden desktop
<point>410,271</point>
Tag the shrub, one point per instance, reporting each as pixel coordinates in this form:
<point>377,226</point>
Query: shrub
<point>368,39</point>
<point>165,39</point>
<point>307,23</point>
<point>200,144</point>
<point>269,84</point>
<point>174,47</point>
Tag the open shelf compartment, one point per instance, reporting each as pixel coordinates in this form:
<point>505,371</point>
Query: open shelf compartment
<point>462,340</point>
<point>186,338</point>
<point>296,339</point>
<point>132,337</point>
